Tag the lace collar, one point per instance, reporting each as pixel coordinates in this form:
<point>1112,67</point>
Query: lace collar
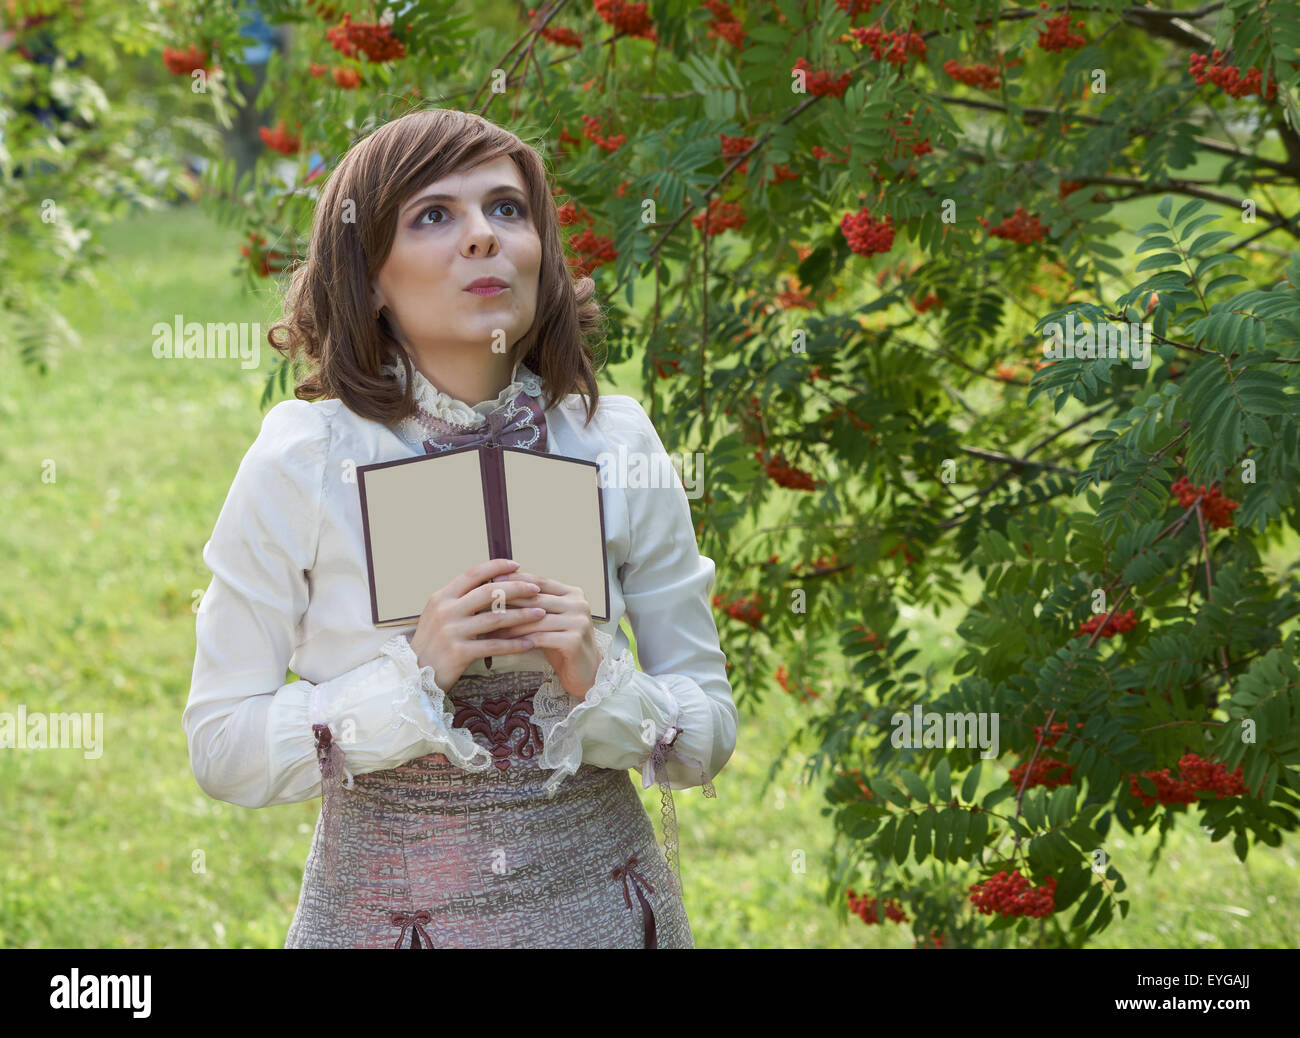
<point>437,404</point>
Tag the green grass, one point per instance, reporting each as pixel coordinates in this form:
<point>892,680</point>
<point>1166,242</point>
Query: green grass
<point>103,562</point>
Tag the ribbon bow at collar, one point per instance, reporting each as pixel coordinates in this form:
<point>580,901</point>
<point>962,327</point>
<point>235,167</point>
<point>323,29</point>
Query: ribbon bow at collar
<point>518,423</point>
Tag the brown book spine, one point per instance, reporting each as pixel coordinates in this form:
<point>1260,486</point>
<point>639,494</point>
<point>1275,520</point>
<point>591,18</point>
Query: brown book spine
<point>493,467</point>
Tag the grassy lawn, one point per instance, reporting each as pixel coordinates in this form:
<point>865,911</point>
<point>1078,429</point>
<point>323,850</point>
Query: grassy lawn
<point>114,470</point>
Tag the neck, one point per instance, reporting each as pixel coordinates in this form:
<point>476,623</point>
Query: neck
<point>471,377</point>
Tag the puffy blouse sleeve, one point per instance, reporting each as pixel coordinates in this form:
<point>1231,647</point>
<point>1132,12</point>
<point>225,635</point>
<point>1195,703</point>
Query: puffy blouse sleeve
<point>681,699</point>
<point>250,734</point>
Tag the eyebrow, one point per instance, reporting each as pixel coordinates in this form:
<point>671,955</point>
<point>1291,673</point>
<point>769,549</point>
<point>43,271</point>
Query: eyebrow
<point>499,189</point>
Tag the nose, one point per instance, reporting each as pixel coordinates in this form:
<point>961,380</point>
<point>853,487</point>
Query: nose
<point>480,240</point>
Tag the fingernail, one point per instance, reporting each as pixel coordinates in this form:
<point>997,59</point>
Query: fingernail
<point>534,587</point>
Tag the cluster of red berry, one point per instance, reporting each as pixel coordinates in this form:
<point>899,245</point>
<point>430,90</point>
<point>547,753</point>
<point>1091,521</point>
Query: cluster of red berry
<point>592,250</point>
<point>265,263</point>
<point>184,62</point>
<point>725,25</point>
<point>793,297</point>
<point>929,301</point>
<point>822,155</point>
<point>1056,35</point>
<point>569,213</point>
<point>1012,895</point>
<point>1021,227</point>
<point>1045,772</point>
<point>805,692</point>
<point>373,39</point>
<point>867,236</point>
<point>279,139</point>
<point>722,216</point>
<point>1055,732</point>
<point>557,34</point>
<point>1228,77</point>
<point>1216,508</point>
<point>868,909</point>
<point>908,557</point>
<point>893,46</point>
<point>346,78</point>
<point>627,18</point>
<point>908,139</point>
<point>783,172</point>
<point>985,76</point>
<point>1195,775</point>
<point>748,610</point>
<point>856,776</point>
<point>853,8</point>
<point>591,130</point>
<point>663,371</point>
<point>323,10</point>
<point>1118,623</point>
<point>737,146</point>
<point>934,940</point>
<point>785,475</point>
<point>823,84</point>
<point>839,410</point>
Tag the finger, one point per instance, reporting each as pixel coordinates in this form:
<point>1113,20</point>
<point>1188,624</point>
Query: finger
<point>490,623</point>
<point>553,587</point>
<point>513,591</point>
<point>501,646</point>
<point>480,574</point>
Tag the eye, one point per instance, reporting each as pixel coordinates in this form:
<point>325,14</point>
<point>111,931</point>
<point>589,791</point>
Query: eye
<point>519,212</point>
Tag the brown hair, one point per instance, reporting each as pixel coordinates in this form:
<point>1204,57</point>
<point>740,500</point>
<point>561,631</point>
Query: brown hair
<point>328,309</point>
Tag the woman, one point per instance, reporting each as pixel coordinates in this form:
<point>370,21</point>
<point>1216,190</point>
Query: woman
<point>464,806</point>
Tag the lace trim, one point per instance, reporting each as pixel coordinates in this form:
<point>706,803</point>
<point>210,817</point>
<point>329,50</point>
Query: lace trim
<point>422,703</point>
<point>439,405</point>
<point>556,716</point>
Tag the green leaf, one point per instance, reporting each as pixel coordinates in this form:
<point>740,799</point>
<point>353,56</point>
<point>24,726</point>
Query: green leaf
<point>1061,806</point>
<point>883,788</point>
<point>1189,209</point>
<point>904,838</point>
<point>1086,906</point>
<point>979,831</point>
<point>1033,809</point>
<point>924,831</point>
<point>961,822</point>
<point>1164,205</point>
<point>914,785</point>
<point>971,786</point>
<point>943,781</point>
<point>942,832</point>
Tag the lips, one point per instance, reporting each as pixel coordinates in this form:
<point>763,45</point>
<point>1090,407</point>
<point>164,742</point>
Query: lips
<point>486,283</point>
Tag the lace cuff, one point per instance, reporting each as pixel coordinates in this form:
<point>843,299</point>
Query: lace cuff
<point>421,704</point>
<point>560,721</point>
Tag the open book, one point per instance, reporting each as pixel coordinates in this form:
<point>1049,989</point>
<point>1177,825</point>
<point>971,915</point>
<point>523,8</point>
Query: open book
<point>428,519</point>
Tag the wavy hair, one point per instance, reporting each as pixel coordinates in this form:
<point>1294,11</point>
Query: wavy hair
<point>327,305</point>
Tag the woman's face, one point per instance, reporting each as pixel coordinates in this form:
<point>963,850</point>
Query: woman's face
<point>478,227</point>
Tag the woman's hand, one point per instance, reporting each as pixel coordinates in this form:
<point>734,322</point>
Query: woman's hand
<point>565,634</point>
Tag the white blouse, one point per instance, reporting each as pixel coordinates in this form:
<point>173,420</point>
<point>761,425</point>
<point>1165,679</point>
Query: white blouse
<point>289,590</point>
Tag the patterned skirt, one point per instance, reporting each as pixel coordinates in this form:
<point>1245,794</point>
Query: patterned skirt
<point>430,855</point>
